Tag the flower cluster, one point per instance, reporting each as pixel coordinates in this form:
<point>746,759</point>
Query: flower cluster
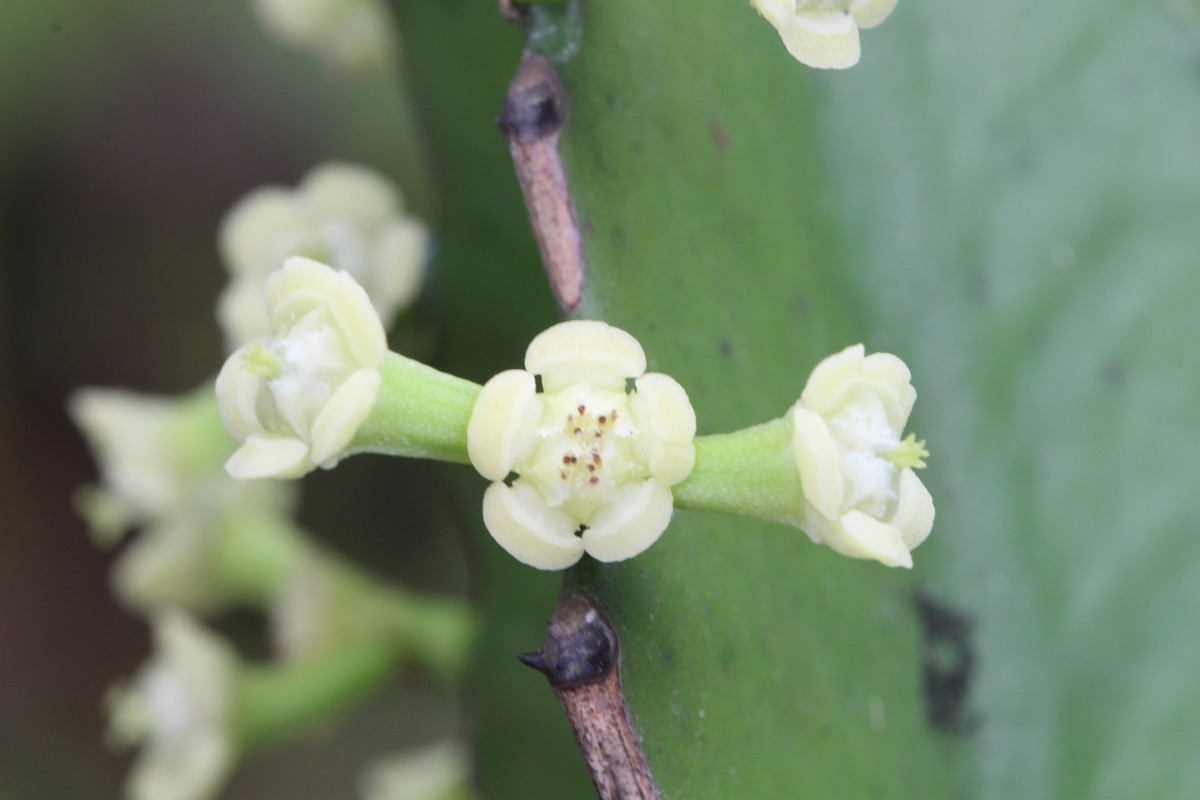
<point>824,33</point>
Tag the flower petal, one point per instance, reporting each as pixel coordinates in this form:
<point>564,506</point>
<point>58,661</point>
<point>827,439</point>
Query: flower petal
<point>826,385</point>
<point>585,351</point>
<point>398,254</point>
<point>914,510</point>
<point>342,415</point>
<point>869,13</point>
<point>503,425</point>
<point>887,369</point>
<point>818,461</point>
<point>259,231</point>
<point>267,455</point>
<point>666,427</point>
<point>863,536</point>
<point>822,39</point>
<point>534,534</point>
<point>346,191</point>
<point>629,522</point>
<point>777,12</point>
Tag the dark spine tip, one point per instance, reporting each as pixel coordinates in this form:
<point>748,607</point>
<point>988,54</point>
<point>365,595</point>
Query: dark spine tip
<point>581,645</point>
<point>533,660</point>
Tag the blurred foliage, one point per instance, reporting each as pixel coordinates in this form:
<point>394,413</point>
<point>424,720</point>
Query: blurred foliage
<point>1004,196</point>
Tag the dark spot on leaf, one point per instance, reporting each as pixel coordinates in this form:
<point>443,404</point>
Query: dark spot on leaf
<point>669,656</point>
<point>726,348</point>
<point>947,665</point>
<point>1113,372</point>
<point>719,135</point>
<point>56,27</point>
<point>800,304</point>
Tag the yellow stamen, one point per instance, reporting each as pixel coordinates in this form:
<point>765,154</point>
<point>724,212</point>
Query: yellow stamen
<point>910,453</point>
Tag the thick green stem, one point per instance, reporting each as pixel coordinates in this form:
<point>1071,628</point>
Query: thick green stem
<point>421,413</point>
<point>750,473</point>
<point>273,703</point>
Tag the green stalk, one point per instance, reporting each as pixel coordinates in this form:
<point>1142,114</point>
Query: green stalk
<point>421,413</point>
<point>748,473</point>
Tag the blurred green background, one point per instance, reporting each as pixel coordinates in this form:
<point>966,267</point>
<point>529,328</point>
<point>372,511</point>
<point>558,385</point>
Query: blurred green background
<point>1006,196</point>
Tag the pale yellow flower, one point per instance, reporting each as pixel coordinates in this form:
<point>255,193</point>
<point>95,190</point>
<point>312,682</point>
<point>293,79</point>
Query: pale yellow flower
<point>294,401</point>
<point>593,460</point>
<point>861,495</point>
<point>178,709</point>
<point>344,215</point>
<point>824,33</point>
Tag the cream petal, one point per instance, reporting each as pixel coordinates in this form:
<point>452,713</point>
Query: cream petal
<point>534,534</point>
<point>502,430</point>
<point>666,427</point>
<point>242,312</point>
<point>889,370</point>
<point>777,12</point>
<point>347,191</point>
<point>294,290</point>
<point>829,378</point>
<point>823,39</point>
<point>398,257</point>
<point>342,415</point>
<point>254,230</point>
<point>818,461</point>
<point>585,351</point>
<point>914,510</point>
<point>632,520</point>
<point>237,392</point>
<point>869,13</point>
<point>357,321</point>
<point>267,455</point>
<point>863,536</point>
<point>167,566</point>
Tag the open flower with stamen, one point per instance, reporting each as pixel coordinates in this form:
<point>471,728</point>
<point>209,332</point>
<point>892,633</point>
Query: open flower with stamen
<point>582,446</point>
<point>179,710</point>
<point>861,495</point>
<point>824,33</point>
<point>344,215</point>
<point>295,400</point>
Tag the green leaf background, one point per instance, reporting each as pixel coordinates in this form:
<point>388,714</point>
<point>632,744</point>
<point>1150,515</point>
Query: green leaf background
<point>1004,195</point>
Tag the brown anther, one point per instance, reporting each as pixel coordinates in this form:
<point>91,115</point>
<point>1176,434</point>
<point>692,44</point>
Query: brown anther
<point>603,419</point>
<point>562,475</point>
<point>591,467</point>
<point>582,408</point>
<point>577,431</point>
<point>593,480</point>
<point>596,457</point>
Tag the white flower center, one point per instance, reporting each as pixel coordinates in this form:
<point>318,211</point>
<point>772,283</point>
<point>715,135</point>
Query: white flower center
<point>866,439</point>
<point>314,364</point>
<point>585,449</point>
